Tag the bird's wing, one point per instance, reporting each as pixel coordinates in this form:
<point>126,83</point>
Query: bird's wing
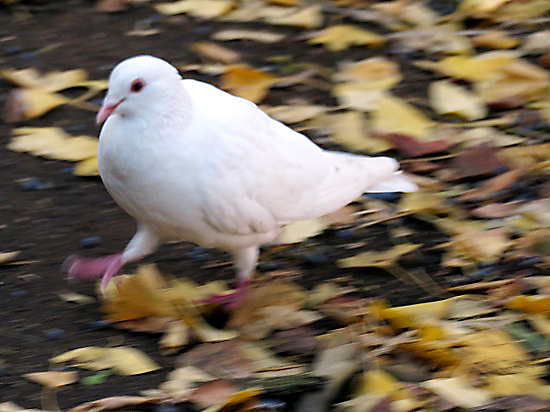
<point>261,174</point>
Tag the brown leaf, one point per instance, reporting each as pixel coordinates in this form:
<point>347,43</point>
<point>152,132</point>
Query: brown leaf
<point>492,186</point>
<point>114,403</point>
<point>412,147</point>
<point>211,393</point>
<point>215,52</point>
<point>495,210</point>
<point>298,341</point>
<point>475,162</point>
<point>111,6</point>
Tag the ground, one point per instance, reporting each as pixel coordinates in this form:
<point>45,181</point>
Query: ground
<point>49,225</point>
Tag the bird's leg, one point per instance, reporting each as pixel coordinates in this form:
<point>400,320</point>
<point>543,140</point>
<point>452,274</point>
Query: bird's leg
<point>245,261</point>
<point>142,244</point>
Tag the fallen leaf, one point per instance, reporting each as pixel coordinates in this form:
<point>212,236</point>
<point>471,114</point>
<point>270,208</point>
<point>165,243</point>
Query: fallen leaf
<point>374,70</point>
<point>350,129</point>
<point>378,259</point>
<point>73,297</point>
<point>495,39</point>
<point>448,98</point>
<point>248,83</point>
<point>211,393</point>
<point>457,392</point>
<point>26,104</point>
<point>123,359</point>
<point>52,379</point>
<point>197,8</point>
<point>8,257</point>
<point>342,36</point>
<point>241,34</point>
<point>51,82</point>
<point>308,17</point>
<point>115,403</point>
<point>215,52</point>
<point>294,113</point>
<point>298,231</point>
<point>175,337</point>
<point>474,162</point>
<point>412,147</point>
<point>411,120</point>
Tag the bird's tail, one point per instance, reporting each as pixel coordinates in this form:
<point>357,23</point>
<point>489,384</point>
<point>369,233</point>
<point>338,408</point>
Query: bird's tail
<point>396,182</point>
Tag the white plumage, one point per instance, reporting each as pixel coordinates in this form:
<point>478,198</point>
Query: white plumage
<point>189,161</point>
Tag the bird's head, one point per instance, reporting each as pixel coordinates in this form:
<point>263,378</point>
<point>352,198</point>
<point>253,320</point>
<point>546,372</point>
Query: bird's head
<point>135,83</point>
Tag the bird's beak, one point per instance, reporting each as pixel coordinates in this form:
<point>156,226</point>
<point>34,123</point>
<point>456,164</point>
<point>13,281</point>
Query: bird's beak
<point>106,110</point>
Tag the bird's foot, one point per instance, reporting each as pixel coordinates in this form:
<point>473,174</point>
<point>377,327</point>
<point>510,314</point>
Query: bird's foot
<point>233,299</point>
<point>79,268</point>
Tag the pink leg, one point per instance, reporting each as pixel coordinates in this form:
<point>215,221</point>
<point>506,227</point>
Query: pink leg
<point>233,299</point>
<point>80,268</point>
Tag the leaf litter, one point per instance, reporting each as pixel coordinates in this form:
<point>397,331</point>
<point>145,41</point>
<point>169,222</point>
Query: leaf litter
<point>476,143</point>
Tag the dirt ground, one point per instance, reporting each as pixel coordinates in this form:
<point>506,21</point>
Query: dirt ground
<point>48,225</point>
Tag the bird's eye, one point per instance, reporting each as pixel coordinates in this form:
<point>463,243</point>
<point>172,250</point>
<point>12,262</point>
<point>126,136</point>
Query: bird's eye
<point>137,85</point>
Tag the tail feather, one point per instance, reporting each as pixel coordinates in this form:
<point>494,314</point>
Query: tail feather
<point>397,182</point>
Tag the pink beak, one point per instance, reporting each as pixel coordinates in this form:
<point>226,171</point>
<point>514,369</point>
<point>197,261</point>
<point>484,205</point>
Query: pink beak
<point>105,111</point>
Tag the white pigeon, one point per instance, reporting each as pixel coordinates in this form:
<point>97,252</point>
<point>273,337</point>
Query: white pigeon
<point>191,162</point>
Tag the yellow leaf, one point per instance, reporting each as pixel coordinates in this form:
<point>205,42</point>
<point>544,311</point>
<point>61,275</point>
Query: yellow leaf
<point>476,68</point>
<point>295,113</point>
<point>123,359</point>
<point>411,120</point>
<point>53,143</point>
<point>379,71</point>
<point>241,34</point>
<point>175,337</point>
<point>51,82</point>
<point>457,392</point>
<point>32,103</point>
<point>237,399</point>
<point>495,39</point>
<point>518,79</point>
<point>447,97</point>
<point>207,9</point>
<point>131,361</point>
<point>52,379</point>
<point>362,96</point>
<point>88,167</point>
<point>308,17</point>
<point>517,384</point>
<point>378,382</point>
<point>378,259</point>
<point>530,304</point>
<point>298,231</point>
<point>248,83</point>
<point>349,129</point>
<point>342,36</point>
<point>480,8</point>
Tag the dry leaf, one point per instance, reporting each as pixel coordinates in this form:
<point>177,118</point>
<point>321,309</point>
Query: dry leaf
<point>175,337</point>
<point>448,98</point>
<point>248,83</point>
<point>308,17</point>
<point>411,120</point>
<point>215,52</point>
<point>299,231</point>
<point>123,359</point>
<point>8,257</point>
<point>411,147</point>
<point>26,104</point>
<point>456,391</point>
<point>350,129</point>
<point>378,259</point>
<point>198,8</point>
<point>115,403</point>
<point>476,161</point>
<point>52,379</point>
<point>294,113</point>
<point>211,393</point>
<point>241,34</point>
<point>342,36</point>
<point>495,39</point>
<point>51,82</point>
<point>374,70</point>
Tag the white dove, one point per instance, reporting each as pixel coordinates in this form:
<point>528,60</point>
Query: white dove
<point>191,162</point>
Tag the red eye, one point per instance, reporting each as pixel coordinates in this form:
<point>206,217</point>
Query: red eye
<point>137,85</point>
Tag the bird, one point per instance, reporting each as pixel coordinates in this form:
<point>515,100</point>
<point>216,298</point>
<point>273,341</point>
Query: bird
<point>189,161</point>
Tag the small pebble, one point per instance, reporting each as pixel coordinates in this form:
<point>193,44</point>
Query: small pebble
<point>33,183</point>
<point>19,293</point>
<point>54,333</point>
<point>315,258</point>
<point>99,324</point>
<point>28,56</point>
<point>198,254</point>
<point>11,50</point>
<point>167,407</point>
<point>345,233</point>
<point>68,170</point>
<point>90,241</point>
<point>388,196</point>
<point>270,266</point>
